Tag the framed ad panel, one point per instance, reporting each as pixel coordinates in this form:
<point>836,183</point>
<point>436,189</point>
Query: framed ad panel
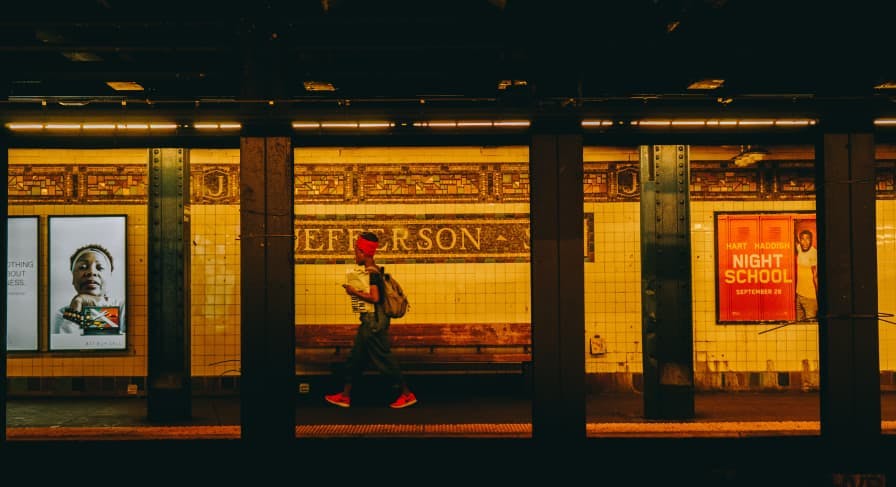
<point>766,267</point>
<point>22,283</point>
<point>88,282</point>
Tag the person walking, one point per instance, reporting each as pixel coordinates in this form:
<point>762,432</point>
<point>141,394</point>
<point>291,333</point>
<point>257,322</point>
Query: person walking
<point>372,342</point>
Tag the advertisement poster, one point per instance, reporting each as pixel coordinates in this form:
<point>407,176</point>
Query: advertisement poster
<point>88,276</point>
<point>21,283</point>
<point>767,267</point>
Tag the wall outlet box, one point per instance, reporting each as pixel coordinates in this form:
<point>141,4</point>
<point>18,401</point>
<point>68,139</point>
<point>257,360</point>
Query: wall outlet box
<point>132,389</point>
<point>598,347</point>
<point>304,388</point>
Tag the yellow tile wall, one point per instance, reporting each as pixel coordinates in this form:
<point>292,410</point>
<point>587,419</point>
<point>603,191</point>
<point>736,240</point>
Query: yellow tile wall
<point>131,362</point>
<point>215,279</point>
<point>613,288</point>
<point>886,281</point>
<point>79,156</point>
<point>439,293</point>
<point>740,348</point>
<point>215,290</point>
<point>466,292</point>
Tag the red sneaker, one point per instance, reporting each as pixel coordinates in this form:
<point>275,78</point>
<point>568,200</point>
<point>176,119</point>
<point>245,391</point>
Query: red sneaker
<point>339,399</point>
<point>404,401</point>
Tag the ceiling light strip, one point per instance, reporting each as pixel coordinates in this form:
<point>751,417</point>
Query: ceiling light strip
<point>434,124</point>
<point>130,127</point>
<point>709,123</point>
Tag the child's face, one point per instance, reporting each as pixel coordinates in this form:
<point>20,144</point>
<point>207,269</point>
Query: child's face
<point>89,273</point>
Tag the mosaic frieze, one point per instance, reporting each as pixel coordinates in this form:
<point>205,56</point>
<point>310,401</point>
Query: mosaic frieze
<point>38,184</point>
<point>317,184</point>
<point>795,180</point>
<point>119,184</point>
<point>512,183</point>
<point>611,181</point>
<point>215,184</point>
<point>420,182</point>
<point>724,184</point>
<point>322,239</point>
<point>409,183</point>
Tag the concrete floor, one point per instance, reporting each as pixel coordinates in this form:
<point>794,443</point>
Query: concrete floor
<point>480,408</point>
<point>738,439</point>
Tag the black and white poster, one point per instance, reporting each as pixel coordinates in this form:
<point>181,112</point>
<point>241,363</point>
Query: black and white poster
<point>21,283</point>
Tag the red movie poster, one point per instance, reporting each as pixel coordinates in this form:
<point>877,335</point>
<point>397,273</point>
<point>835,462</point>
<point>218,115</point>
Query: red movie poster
<point>757,272</point>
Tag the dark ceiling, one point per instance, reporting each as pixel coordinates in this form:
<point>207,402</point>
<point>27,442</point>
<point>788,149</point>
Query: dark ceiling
<point>184,51</point>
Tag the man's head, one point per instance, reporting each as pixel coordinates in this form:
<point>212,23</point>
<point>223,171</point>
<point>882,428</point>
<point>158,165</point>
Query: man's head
<point>805,240</point>
<point>90,265</point>
<point>365,246</point>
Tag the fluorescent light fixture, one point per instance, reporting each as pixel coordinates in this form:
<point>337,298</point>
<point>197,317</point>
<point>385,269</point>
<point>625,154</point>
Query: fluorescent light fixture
<point>706,84</point>
<point>718,123</point>
<point>125,85</point>
<point>886,85</point>
<point>340,125</point>
<point>597,123</point>
<point>217,126</point>
<point>318,86</point>
<point>25,126</point>
<point>887,122</point>
<point>91,126</point>
<point>688,123</point>
<point>441,124</point>
<point>63,126</point>
<point>508,83</point>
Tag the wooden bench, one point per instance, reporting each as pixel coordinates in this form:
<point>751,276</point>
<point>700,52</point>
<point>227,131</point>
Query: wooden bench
<point>477,347</point>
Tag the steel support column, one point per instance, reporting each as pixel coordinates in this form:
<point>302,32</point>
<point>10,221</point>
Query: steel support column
<point>168,386</point>
<point>847,289</point>
<point>267,401</point>
<point>557,274</point>
<point>666,324</point>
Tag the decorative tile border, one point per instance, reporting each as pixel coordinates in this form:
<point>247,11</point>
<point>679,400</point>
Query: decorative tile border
<point>118,184</point>
<point>418,183</point>
<point>40,184</point>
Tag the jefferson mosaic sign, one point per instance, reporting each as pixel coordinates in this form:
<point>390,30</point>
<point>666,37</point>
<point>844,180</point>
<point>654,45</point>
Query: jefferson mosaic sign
<point>406,238</point>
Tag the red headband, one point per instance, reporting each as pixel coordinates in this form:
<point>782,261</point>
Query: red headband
<point>366,246</point>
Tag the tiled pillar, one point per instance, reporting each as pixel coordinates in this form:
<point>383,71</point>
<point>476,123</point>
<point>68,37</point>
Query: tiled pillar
<point>168,359</point>
<point>558,277</point>
<point>267,400</point>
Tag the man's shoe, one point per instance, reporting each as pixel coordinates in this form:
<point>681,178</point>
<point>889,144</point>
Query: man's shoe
<point>404,401</point>
<point>339,399</point>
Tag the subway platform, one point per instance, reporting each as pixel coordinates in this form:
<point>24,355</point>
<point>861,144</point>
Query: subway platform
<point>609,414</point>
<point>734,439</point>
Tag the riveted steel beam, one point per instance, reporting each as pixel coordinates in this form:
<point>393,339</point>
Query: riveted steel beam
<point>168,386</point>
<point>666,283</point>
